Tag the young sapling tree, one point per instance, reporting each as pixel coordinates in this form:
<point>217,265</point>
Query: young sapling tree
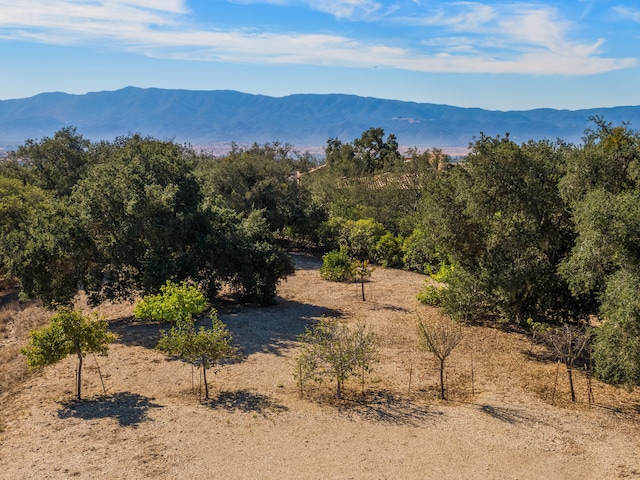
<point>362,269</point>
<point>70,332</point>
<point>440,337</point>
<point>204,347</point>
<point>332,349</point>
<point>567,344</point>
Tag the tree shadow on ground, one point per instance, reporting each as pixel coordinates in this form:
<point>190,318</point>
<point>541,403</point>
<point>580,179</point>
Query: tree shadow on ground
<point>542,356</point>
<point>511,416</point>
<point>306,261</point>
<point>9,296</point>
<point>247,402</point>
<point>129,409</point>
<point>273,329</point>
<point>385,306</point>
<point>387,408</point>
<point>140,333</point>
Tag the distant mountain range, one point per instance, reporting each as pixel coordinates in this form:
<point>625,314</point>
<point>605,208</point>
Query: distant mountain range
<point>219,116</point>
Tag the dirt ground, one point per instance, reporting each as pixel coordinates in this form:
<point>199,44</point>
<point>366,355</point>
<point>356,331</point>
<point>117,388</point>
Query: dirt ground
<point>503,419</point>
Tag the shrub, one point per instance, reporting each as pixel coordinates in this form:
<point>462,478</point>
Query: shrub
<point>389,250</point>
<point>329,233</point>
<point>418,253</point>
<point>444,273</point>
<point>466,298</point>
<point>430,295</point>
<point>174,303</point>
<point>361,236</point>
<point>337,266</point>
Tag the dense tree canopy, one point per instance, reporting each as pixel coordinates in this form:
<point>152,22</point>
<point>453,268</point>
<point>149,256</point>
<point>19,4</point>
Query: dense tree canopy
<point>500,219</point>
<point>370,153</point>
<point>263,178</point>
<point>603,266</point>
<point>540,230</point>
<point>54,164</point>
<point>131,218</point>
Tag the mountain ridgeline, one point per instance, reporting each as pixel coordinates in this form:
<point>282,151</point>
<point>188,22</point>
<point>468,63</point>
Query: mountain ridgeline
<point>304,120</point>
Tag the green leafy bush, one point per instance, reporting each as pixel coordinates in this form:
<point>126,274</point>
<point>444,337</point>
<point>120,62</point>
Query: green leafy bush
<point>361,236</point>
<point>337,266</point>
<point>430,295</point>
<point>389,250</point>
<point>444,273</point>
<point>174,303</point>
<point>616,349</point>
<point>418,252</point>
<point>329,233</point>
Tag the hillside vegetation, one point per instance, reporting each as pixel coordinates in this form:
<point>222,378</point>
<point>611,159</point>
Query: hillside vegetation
<point>538,235</point>
<point>533,249</point>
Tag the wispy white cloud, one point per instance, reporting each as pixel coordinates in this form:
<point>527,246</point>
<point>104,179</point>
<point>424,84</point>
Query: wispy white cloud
<point>459,16</point>
<point>352,9</point>
<point>63,18</point>
<point>346,8</point>
<point>474,38</point>
<point>628,12</point>
<point>516,38</point>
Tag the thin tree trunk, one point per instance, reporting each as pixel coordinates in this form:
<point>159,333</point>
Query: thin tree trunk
<point>555,384</point>
<point>79,376</point>
<point>338,390</point>
<point>442,380</point>
<point>571,389</point>
<point>204,375</point>
<point>362,287</point>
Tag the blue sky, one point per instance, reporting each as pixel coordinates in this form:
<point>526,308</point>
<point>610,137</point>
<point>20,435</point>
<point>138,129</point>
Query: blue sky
<point>491,54</point>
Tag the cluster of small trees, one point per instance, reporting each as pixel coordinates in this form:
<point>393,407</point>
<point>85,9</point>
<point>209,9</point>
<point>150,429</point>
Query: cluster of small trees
<point>338,351</point>
<point>542,230</point>
<point>331,349</point>
<point>70,332</point>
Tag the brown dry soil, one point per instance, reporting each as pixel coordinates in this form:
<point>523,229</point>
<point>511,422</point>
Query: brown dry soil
<point>502,420</point>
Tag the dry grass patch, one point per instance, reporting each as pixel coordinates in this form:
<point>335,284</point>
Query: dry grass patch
<point>15,325</point>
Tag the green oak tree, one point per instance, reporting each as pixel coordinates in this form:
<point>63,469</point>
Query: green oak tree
<point>69,333</point>
<point>500,219</point>
<point>54,164</point>
<point>603,267</point>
